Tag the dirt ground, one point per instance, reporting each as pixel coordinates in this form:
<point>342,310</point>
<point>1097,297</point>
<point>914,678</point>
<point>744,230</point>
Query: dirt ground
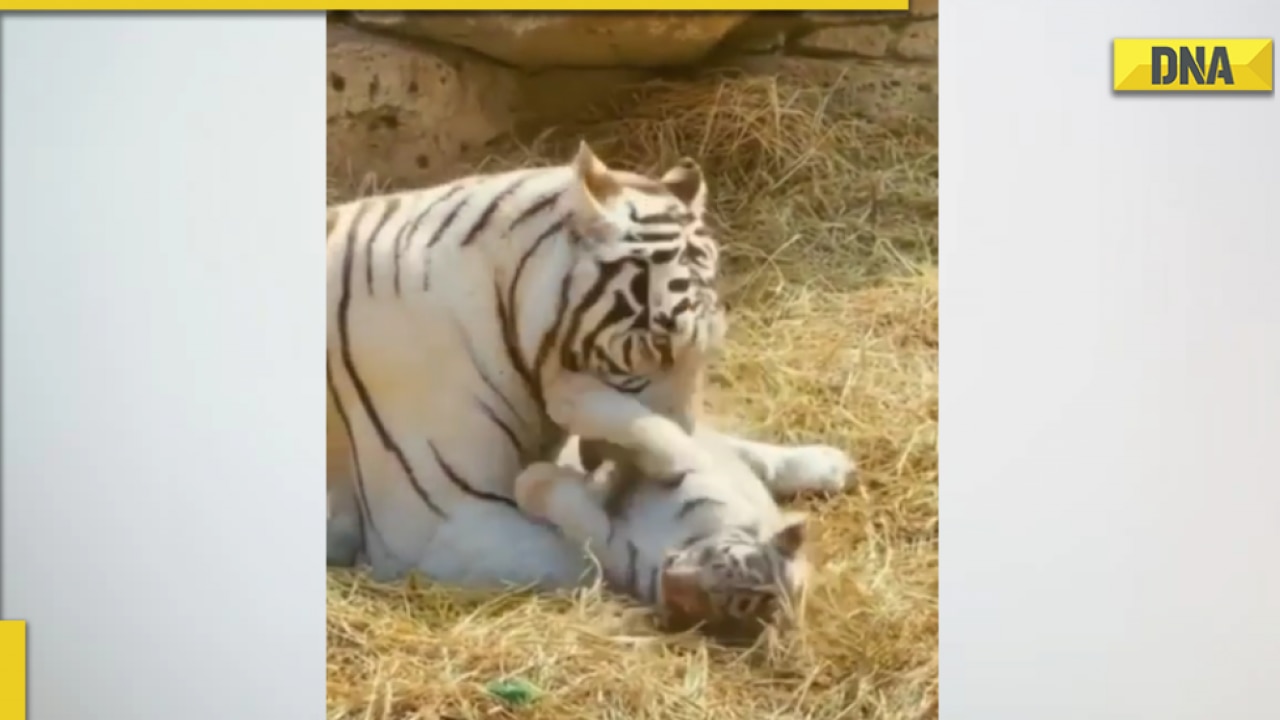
<point>829,224</point>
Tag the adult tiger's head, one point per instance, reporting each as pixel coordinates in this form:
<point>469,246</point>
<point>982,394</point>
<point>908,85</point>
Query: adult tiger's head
<point>642,289</point>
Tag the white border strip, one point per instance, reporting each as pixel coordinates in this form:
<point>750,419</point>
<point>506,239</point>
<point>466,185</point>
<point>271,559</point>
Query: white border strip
<point>163,386</point>
<point>1110,372</point>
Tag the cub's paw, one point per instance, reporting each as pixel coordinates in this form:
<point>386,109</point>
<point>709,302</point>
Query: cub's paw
<point>534,485</point>
<point>813,469</point>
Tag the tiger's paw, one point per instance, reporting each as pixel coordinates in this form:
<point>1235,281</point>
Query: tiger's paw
<point>817,469</point>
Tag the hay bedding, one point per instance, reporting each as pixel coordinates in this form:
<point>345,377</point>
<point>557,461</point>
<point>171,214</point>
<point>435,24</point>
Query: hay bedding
<point>830,226</point>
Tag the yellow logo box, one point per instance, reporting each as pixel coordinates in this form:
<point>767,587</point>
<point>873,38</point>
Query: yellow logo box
<point>13,670</point>
<point>1193,65</point>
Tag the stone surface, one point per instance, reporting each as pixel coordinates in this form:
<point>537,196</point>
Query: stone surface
<point>409,115</point>
<point>540,40</point>
<point>871,41</point>
<point>402,112</point>
<point>884,91</point>
<point>410,105</point>
<point>762,32</point>
<point>924,8</point>
<point>919,41</point>
<point>827,18</point>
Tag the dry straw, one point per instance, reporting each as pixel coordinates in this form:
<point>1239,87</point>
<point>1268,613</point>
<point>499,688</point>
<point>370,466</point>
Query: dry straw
<point>830,227</point>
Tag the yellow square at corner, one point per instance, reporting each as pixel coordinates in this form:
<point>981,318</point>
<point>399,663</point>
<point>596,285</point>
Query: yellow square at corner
<point>13,670</point>
<point>1193,64</point>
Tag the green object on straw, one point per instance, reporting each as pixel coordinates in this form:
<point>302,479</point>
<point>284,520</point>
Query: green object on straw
<point>514,692</point>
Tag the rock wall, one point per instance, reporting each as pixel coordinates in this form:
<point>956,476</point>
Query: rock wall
<point>412,94</point>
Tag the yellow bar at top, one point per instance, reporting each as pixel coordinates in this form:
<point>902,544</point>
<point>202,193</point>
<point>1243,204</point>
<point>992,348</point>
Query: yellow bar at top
<point>13,670</point>
<point>320,5</point>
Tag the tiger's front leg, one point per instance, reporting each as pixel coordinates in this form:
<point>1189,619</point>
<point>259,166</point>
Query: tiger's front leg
<point>587,407</point>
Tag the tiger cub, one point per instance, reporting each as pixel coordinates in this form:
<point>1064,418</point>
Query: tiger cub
<point>694,532</point>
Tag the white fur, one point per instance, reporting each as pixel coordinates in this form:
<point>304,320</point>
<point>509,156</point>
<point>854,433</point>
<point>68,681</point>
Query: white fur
<point>649,521</point>
<point>411,352</point>
<point>631,547</point>
<point>421,355</point>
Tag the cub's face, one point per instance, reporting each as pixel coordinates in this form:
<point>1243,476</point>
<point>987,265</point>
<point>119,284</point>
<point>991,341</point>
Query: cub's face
<point>736,583</point>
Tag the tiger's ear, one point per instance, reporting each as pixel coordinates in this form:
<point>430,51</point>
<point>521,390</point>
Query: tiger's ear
<point>594,181</point>
<point>791,536</point>
<point>685,181</point>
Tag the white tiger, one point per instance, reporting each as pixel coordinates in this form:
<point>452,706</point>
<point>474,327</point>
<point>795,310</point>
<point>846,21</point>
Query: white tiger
<point>453,310</point>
